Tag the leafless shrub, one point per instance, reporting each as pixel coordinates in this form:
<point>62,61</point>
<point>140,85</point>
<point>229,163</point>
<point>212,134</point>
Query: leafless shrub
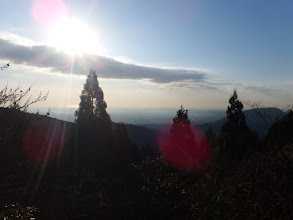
<point>19,99</point>
<point>5,66</point>
<point>268,116</point>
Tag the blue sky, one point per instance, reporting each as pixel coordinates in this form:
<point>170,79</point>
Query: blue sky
<point>158,53</point>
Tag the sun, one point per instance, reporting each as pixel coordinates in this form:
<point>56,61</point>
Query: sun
<point>73,37</point>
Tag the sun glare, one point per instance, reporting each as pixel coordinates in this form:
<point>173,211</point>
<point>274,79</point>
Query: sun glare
<point>73,37</point>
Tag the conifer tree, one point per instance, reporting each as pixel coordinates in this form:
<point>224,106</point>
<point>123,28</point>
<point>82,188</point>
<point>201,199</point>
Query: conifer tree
<point>92,106</point>
<point>94,136</point>
<point>185,148</point>
<point>237,139</point>
<point>181,130</point>
<point>234,111</point>
<point>100,146</point>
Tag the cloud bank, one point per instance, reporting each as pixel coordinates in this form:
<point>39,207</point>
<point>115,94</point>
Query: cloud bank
<point>27,52</point>
<point>58,61</point>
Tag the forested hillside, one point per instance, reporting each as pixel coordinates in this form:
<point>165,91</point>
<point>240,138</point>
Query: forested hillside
<point>94,168</point>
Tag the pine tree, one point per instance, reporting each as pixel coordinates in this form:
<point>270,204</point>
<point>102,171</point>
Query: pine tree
<point>180,147</point>
<point>185,147</point>
<point>99,145</point>
<point>234,111</point>
<point>237,139</point>
<point>181,130</point>
<point>94,135</point>
<point>92,106</point>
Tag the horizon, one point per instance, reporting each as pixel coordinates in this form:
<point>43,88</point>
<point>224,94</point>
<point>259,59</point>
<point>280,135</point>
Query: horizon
<point>139,116</point>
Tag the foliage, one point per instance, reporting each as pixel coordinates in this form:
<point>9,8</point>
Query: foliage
<point>126,150</point>
<point>147,151</point>
<point>236,138</point>
<point>99,144</point>
<point>16,211</point>
<point>17,98</point>
<point>13,124</point>
<point>280,133</point>
<point>234,111</point>
<point>162,189</point>
<point>260,186</point>
<point>92,105</point>
<point>211,137</point>
<point>184,147</point>
<point>181,130</point>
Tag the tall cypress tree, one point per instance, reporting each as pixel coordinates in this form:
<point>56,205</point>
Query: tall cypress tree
<point>99,145</point>
<point>94,136</point>
<point>237,139</point>
<point>185,147</point>
<point>234,111</point>
<point>181,130</point>
<point>92,106</point>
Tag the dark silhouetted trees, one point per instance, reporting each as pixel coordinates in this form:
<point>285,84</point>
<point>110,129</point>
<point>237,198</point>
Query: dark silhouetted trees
<point>94,137</point>
<point>99,145</point>
<point>237,139</point>
<point>181,130</point>
<point>185,148</point>
<point>211,137</point>
<point>234,111</point>
<point>281,132</point>
<point>92,105</point>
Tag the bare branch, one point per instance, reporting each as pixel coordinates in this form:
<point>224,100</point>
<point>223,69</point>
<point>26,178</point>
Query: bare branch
<point>5,66</point>
<point>268,117</point>
<point>15,99</point>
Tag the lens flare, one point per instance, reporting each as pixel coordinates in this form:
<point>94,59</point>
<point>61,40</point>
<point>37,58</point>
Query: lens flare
<point>183,154</point>
<point>44,139</point>
<point>45,12</point>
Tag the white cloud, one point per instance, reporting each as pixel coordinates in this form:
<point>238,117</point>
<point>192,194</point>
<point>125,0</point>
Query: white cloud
<point>57,61</point>
<point>16,39</point>
<point>35,58</point>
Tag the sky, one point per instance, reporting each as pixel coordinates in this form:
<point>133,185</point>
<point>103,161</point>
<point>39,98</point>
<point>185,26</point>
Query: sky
<point>150,54</point>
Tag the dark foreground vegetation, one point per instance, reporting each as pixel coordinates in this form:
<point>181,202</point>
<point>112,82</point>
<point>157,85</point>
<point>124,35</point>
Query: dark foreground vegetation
<point>94,171</point>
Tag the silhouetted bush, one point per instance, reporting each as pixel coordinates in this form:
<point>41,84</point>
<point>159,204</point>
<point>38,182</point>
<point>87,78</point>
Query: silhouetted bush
<point>125,150</point>
<point>98,145</point>
<point>281,132</point>
<point>212,138</point>
<point>13,124</point>
<point>259,186</point>
<point>237,140</point>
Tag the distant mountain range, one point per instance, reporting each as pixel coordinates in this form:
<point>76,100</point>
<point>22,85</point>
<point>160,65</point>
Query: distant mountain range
<point>257,120</point>
<point>142,136</point>
<point>146,134</point>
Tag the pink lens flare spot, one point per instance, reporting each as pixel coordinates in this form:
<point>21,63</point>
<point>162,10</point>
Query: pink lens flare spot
<point>185,155</point>
<point>46,12</point>
<point>44,140</point>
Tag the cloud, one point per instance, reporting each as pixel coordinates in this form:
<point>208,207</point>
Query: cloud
<point>58,61</point>
<point>268,91</point>
<point>29,53</point>
<point>16,39</point>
